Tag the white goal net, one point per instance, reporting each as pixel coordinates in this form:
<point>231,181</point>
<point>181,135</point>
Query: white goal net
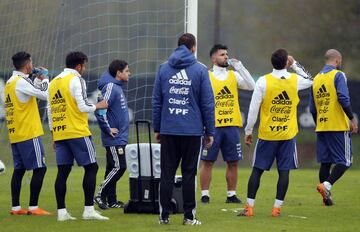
<point>142,32</point>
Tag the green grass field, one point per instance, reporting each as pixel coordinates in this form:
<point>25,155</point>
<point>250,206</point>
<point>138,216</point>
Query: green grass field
<point>302,210</point>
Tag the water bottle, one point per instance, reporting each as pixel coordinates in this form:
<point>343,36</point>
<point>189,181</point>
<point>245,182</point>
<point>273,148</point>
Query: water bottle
<point>100,98</point>
<point>229,61</point>
<point>39,72</point>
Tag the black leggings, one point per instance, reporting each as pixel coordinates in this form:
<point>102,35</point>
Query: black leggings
<point>335,174</point>
<point>254,183</point>
<point>35,185</point>
<point>89,184</point>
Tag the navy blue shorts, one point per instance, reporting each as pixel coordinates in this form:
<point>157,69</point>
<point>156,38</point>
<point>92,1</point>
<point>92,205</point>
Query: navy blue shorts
<point>80,149</point>
<point>334,147</point>
<point>28,154</point>
<point>284,151</point>
<point>226,139</point>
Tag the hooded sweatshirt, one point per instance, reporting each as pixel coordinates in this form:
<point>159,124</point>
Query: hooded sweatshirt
<point>116,115</point>
<point>183,101</point>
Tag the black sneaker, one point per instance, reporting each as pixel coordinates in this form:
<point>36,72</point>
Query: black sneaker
<point>205,199</point>
<point>100,202</point>
<point>118,204</point>
<point>164,221</point>
<point>233,199</point>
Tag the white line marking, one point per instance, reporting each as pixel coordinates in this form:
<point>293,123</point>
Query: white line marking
<point>296,216</point>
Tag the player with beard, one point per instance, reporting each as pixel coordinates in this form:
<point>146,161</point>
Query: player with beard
<point>68,120</point>
<point>225,84</point>
<point>25,130</point>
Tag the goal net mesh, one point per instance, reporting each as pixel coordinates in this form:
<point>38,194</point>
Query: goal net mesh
<point>142,32</point>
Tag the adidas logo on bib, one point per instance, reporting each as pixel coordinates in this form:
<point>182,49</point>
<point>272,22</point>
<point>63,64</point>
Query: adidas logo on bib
<point>322,92</point>
<point>224,94</point>
<point>8,102</point>
<point>58,98</point>
<point>282,99</point>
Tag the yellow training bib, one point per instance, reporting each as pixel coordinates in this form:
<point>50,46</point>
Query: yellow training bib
<point>68,122</point>
<point>227,107</point>
<point>278,113</point>
<point>330,114</point>
<point>22,119</point>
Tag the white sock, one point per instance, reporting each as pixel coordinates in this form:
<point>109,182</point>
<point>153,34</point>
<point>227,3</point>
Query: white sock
<point>327,185</point>
<point>33,207</point>
<point>250,202</point>
<point>205,193</point>
<point>62,211</point>
<point>89,208</point>
<point>278,203</point>
<point>16,208</point>
<point>231,193</point>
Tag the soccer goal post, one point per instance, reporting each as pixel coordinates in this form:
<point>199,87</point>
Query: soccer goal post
<point>191,17</point>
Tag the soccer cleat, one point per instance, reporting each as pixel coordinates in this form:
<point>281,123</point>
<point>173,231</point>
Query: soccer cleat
<point>93,215</point>
<point>102,204</point>
<point>275,212</point>
<point>205,199</point>
<point>233,199</point>
<point>65,217</point>
<point>19,212</point>
<point>247,212</point>
<point>328,202</point>
<point>193,222</point>
<point>38,212</point>
<point>326,194</point>
<point>118,204</point>
<point>164,221</point>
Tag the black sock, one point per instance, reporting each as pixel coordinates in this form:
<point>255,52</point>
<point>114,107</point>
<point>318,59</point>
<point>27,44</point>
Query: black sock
<point>16,180</point>
<point>89,183</point>
<point>254,182</point>
<point>60,184</point>
<point>282,185</point>
<point>35,185</point>
<point>336,173</point>
<point>324,171</point>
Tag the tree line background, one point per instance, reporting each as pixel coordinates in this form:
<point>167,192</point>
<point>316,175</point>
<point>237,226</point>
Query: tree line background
<point>253,29</point>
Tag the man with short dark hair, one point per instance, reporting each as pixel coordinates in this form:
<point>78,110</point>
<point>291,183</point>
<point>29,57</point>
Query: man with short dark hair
<point>114,125</point>
<point>276,96</point>
<point>68,119</point>
<point>25,130</point>
<point>183,111</point>
<point>331,110</point>
<point>225,84</point>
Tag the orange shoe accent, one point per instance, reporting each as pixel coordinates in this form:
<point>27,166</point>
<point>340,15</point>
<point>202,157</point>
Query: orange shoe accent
<point>248,211</point>
<point>39,212</point>
<point>19,212</point>
<point>325,194</point>
<point>275,212</point>
<point>321,189</point>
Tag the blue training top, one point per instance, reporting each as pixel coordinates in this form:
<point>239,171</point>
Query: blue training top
<point>183,101</point>
<point>117,115</point>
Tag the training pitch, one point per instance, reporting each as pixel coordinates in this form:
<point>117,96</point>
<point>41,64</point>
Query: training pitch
<point>302,210</point>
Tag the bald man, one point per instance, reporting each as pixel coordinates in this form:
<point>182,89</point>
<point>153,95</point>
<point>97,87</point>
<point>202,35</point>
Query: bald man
<point>331,110</point>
